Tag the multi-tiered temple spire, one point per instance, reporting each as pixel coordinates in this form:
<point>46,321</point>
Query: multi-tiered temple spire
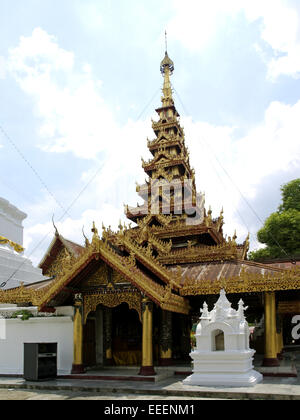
<point>173,220</point>
<point>171,179</point>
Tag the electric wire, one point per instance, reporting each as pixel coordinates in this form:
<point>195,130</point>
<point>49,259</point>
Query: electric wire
<point>234,184</point>
<point>65,211</point>
<point>30,166</point>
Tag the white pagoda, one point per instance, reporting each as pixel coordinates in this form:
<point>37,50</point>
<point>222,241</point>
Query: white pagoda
<point>14,267</point>
<point>222,356</point>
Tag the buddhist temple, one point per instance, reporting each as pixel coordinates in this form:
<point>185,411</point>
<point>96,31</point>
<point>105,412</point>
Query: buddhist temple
<point>138,291</point>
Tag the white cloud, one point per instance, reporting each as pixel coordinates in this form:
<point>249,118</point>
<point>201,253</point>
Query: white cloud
<point>73,115</point>
<point>281,30</point>
<point>266,150</point>
<point>196,23</point>
<point>70,229</point>
<point>75,118</point>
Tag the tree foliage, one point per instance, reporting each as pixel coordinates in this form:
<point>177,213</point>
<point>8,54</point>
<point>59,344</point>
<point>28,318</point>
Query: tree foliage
<point>281,231</point>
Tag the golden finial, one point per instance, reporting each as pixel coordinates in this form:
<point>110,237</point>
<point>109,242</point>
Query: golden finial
<point>56,230</point>
<point>247,241</point>
<point>87,242</point>
<point>166,39</point>
<point>95,231</point>
<point>234,238</point>
<point>167,68</point>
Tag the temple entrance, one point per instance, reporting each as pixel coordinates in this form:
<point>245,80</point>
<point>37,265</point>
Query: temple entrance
<point>126,336</point>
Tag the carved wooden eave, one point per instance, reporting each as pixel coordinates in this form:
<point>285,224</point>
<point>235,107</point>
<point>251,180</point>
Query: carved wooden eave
<point>72,268</point>
<point>195,254</point>
<point>166,141</point>
<point>175,161</point>
<point>235,277</point>
<point>56,245</point>
<point>145,257</point>
<point>158,126</point>
<point>181,229</point>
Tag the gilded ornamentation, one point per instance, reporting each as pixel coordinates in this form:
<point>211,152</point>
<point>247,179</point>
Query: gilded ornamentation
<point>111,299</point>
<point>56,266</point>
<point>222,252</point>
<point>245,282</point>
<point>98,278</point>
<point>16,247</point>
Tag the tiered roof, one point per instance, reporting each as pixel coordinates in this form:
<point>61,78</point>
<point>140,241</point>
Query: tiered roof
<point>177,249</point>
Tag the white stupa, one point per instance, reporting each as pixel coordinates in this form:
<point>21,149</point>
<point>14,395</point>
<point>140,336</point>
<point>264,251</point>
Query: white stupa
<point>13,265</point>
<point>222,356</point>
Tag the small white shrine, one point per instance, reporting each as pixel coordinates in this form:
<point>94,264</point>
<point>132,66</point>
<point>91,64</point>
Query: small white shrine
<point>222,356</point>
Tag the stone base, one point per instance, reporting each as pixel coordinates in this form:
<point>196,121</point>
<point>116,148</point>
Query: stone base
<point>147,371</point>
<point>271,362</point>
<point>247,379</point>
<point>223,368</point>
<point>77,369</point>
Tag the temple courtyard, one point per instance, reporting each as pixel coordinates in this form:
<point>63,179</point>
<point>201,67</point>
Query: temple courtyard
<point>165,387</point>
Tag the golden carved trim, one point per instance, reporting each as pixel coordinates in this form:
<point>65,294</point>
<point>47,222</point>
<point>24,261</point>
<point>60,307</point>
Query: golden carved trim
<point>145,256</point>
<point>21,295</point>
<point>245,282</point>
<point>18,248</point>
<point>111,300</point>
<point>191,254</point>
<point>139,279</point>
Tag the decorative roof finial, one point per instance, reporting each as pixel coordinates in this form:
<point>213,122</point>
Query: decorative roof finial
<point>167,68</point>
<point>166,38</point>
<point>56,230</point>
<point>95,234</point>
<point>87,242</point>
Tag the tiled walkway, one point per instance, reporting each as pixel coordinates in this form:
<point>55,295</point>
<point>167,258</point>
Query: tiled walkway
<point>171,386</point>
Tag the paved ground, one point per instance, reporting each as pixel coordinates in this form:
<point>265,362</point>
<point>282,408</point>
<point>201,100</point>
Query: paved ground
<point>272,388</point>
<point>16,394</point>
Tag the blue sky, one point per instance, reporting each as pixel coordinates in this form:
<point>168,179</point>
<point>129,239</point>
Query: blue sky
<point>79,82</point>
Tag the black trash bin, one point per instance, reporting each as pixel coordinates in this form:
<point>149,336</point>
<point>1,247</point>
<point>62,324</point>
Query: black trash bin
<point>40,361</point>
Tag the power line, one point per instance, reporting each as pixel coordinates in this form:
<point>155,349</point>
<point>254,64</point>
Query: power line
<point>65,212</point>
<point>234,184</point>
<point>147,106</point>
<point>30,166</point>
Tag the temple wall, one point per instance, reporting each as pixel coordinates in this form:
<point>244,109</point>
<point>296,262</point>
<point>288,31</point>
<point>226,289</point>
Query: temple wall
<point>15,332</point>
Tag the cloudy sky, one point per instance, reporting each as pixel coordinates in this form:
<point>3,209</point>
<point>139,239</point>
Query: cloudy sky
<point>79,82</point>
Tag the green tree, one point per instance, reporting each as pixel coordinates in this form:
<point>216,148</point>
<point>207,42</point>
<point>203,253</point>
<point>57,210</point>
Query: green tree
<point>281,231</point>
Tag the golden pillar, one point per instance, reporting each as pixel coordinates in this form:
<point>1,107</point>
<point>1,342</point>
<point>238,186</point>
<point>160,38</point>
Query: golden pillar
<point>77,367</point>
<point>270,358</point>
<point>147,368</point>
<point>166,339</point>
